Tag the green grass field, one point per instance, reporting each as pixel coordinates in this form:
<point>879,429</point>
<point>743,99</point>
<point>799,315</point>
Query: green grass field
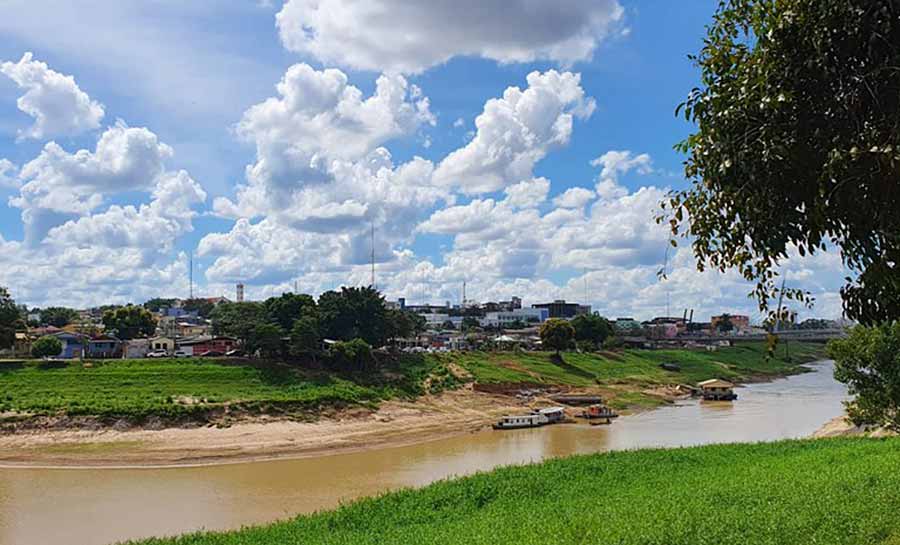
<point>635,369</point>
<point>172,389</point>
<point>191,388</point>
<point>833,491</point>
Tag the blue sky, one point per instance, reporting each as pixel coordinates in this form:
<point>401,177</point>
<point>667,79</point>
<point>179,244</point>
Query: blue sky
<point>190,148</point>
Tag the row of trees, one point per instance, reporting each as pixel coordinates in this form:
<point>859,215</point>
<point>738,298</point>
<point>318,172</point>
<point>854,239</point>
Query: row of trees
<point>345,315</point>
<point>587,332</point>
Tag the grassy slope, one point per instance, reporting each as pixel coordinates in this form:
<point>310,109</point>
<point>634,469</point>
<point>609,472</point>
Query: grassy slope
<point>142,388</point>
<point>636,369</point>
<point>836,491</point>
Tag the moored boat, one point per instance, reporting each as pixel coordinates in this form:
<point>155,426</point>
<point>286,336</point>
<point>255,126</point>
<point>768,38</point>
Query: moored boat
<point>598,411</point>
<point>553,414</point>
<point>717,390</point>
<point>512,422</point>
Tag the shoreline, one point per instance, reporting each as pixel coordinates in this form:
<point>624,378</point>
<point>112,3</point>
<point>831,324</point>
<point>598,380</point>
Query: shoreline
<point>393,424</point>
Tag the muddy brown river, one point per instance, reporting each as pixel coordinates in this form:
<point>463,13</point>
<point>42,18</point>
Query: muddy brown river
<point>103,506</point>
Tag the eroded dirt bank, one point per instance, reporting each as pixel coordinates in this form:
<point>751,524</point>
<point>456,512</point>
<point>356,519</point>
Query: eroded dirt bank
<point>395,423</point>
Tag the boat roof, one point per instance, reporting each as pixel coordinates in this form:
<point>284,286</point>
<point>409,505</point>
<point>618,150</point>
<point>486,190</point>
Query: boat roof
<point>552,410</point>
<point>715,382</point>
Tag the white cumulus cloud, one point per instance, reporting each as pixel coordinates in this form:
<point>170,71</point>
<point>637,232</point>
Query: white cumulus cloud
<point>8,174</point>
<point>617,163</point>
<point>59,107</point>
<point>574,197</point>
<point>57,183</point>
<point>409,37</point>
<point>516,131</point>
<point>318,119</point>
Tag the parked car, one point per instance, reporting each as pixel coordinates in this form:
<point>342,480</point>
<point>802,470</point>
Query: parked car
<point>211,354</point>
<point>157,354</point>
<point>236,353</point>
<point>181,354</point>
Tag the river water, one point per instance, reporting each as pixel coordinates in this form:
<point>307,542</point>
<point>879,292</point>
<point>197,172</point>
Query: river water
<point>102,506</point>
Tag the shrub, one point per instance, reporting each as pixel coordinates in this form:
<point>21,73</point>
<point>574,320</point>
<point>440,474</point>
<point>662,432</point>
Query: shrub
<point>355,355</point>
<point>46,346</point>
<point>868,361</point>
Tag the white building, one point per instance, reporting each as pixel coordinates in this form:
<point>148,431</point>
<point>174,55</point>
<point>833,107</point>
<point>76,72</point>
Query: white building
<point>436,320</point>
<point>508,317</point>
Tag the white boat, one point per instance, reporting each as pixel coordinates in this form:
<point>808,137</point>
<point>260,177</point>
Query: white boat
<point>512,422</point>
<point>553,414</point>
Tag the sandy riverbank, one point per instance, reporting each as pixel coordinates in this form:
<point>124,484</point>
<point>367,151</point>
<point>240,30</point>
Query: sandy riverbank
<point>842,427</point>
<point>395,423</point>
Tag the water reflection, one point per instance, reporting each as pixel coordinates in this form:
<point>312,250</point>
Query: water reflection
<point>91,506</point>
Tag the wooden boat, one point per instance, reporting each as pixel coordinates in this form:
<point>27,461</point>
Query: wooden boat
<point>553,414</point>
<point>601,412</point>
<point>512,422</point>
<point>717,390</point>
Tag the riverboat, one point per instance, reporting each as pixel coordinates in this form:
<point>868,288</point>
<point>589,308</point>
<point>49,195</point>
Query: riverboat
<point>599,412</point>
<point>553,414</point>
<point>512,422</point>
<point>717,390</point>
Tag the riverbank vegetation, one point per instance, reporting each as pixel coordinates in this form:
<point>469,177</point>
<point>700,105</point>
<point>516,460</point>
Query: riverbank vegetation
<point>199,389</point>
<point>631,372</point>
<point>868,361</point>
<point>208,390</point>
<point>836,491</point>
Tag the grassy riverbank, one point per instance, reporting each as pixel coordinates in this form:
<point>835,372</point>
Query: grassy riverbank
<point>195,388</point>
<point>835,491</point>
<point>173,390</point>
<point>627,375</point>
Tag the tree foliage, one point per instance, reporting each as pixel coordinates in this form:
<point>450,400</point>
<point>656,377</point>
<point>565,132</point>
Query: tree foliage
<point>158,303</point>
<point>10,319</point>
<point>287,308</point>
<point>354,313</point>
<point>591,328</point>
<point>353,355</point>
<point>129,322</point>
<point>557,334</point>
<point>797,146</point>
<point>469,323</point>
<point>58,316</point>
<point>868,361</point>
<point>403,324</point>
<point>305,337</point>
<point>46,347</point>
<point>238,320</point>
<point>203,307</point>
<point>267,340</point>
<point>725,325</point>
